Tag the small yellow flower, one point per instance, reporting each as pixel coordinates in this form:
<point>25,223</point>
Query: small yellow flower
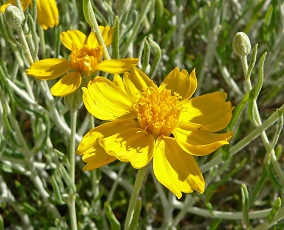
<point>47,12</point>
<point>160,123</point>
<point>85,59</point>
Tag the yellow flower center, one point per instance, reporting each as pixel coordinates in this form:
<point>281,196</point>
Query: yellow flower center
<point>84,60</point>
<point>158,111</point>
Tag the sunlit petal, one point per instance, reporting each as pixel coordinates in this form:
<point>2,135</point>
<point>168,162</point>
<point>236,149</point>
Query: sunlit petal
<point>49,68</point>
<point>106,32</point>
<point>181,82</point>
<point>67,84</point>
<point>116,66</point>
<point>73,38</point>
<point>104,100</point>
<point>211,111</point>
<point>200,142</point>
<point>47,13</point>
<point>93,154</point>
<point>131,145</point>
<point>176,169</point>
<point>117,80</point>
<point>136,81</point>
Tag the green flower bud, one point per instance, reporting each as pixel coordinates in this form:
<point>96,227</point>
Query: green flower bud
<point>241,44</point>
<point>74,100</point>
<point>122,6</point>
<point>13,17</point>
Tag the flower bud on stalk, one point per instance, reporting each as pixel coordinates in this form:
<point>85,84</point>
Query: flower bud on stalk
<point>13,17</point>
<point>241,44</point>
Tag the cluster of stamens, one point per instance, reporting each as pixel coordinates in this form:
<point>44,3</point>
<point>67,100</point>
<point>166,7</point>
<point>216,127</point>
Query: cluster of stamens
<point>84,60</point>
<point>158,111</point>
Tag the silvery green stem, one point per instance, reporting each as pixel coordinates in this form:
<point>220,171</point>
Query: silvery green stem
<point>91,19</point>
<point>134,196</point>
<point>72,195</point>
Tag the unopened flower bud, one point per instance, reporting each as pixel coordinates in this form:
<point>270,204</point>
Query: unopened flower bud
<point>13,17</point>
<point>241,44</point>
<point>122,6</point>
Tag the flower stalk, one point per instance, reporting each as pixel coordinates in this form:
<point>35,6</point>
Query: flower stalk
<point>72,195</point>
<point>141,174</point>
<point>91,19</point>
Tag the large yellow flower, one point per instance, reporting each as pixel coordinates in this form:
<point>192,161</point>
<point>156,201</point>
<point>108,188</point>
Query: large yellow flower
<point>85,59</point>
<point>47,12</point>
<point>160,123</point>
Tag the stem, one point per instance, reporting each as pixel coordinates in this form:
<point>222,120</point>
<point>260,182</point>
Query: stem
<point>189,200</point>
<point>222,215</point>
<point>114,176</point>
<point>30,162</point>
<point>53,112</point>
<point>72,207</point>
<point>267,224</point>
<point>91,19</point>
<point>245,70</point>
<point>257,120</point>
<point>25,44</point>
<point>135,192</point>
<point>160,190</point>
<point>114,186</point>
<point>42,41</point>
<point>245,141</point>
<point>245,66</point>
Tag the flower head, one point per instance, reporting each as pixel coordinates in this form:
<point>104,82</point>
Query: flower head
<point>47,12</point>
<point>85,59</point>
<point>161,123</point>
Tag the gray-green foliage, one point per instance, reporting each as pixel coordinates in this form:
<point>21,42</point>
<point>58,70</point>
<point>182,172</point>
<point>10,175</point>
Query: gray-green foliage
<point>244,181</point>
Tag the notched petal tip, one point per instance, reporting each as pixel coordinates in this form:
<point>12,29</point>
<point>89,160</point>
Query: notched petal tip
<point>73,39</point>
<point>178,172</point>
<point>181,82</point>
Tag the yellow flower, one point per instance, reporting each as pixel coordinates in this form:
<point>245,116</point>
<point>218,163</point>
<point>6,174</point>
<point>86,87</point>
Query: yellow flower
<point>47,12</point>
<point>160,123</point>
<point>85,59</point>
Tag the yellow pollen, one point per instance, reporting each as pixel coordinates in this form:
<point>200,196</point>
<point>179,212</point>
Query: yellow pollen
<point>84,60</point>
<point>158,111</point>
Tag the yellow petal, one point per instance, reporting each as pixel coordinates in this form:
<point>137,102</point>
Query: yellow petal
<point>67,84</point>
<point>104,100</point>
<point>47,13</point>
<point>176,169</point>
<point>136,81</point>
<point>106,32</point>
<point>116,66</point>
<point>92,41</point>
<point>73,39</point>
<point>199,142</point>
<point>98,160</point>
<point>117,80</point>
<point>211,111</point>
<point>24,3</point>
<point>50,68</point>
<point>181,82</point>
<point>93,154</point>
<point>131,145</point>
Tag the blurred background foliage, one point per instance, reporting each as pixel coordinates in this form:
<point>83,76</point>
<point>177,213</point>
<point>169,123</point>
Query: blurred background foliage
<point>190,34</point>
